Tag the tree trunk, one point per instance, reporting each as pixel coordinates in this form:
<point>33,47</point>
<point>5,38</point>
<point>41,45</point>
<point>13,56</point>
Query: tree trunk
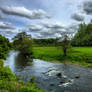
<point>64,52</point>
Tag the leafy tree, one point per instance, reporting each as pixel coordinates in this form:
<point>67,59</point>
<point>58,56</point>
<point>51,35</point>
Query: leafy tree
<point>23,43</point>
<point>4,47</point>
<point>65,43</point>
<point>84,35</point>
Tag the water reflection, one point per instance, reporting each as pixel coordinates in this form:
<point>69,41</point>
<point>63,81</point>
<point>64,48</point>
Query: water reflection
<point>21,61</point>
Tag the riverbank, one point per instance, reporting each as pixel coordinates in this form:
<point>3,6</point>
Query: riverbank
<point>53,77</point>
<point>77,55</point>
<point>9,82</point>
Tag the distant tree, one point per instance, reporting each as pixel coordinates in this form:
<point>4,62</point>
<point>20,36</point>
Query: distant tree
<point>23,43</point>
<point>84,35</point>
<point>65,43</point>
<point>45,42</point>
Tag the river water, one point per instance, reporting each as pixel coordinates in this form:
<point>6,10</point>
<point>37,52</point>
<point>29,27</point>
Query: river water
<point>73,78</point>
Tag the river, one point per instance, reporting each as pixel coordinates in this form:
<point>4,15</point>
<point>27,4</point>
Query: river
<point>73,78</point>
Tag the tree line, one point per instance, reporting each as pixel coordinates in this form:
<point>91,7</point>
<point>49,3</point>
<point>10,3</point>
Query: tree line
<point>84,35</point>
<point>24,42</point>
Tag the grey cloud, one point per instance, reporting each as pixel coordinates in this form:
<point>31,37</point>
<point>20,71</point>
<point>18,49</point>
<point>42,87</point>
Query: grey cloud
<point>1,17</point>
<point>43,31</point>
<point>52,25</point>
<point>78,17</point>
<point>23,12</point>
<point>35,27</point>
<point>9,33</point>
<point>87,7</point>
<point>4,25</point>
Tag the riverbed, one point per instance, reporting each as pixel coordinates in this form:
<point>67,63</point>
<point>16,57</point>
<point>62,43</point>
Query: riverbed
<point>72,79</point>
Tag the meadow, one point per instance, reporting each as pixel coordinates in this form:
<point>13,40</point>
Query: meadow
<point>77,55</point>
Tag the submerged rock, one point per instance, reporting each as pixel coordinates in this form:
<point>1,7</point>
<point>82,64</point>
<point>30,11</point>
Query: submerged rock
<point>51,84</point>
<point>59,75</point>
<point>61,82</point>
<point>52,71</point>
<point>77,76</point>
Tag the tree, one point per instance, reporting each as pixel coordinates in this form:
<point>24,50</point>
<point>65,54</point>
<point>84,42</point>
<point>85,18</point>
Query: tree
<point>4,47</point>
<point>84,35</point>
<point>65,43</point>
<point>23,43</point>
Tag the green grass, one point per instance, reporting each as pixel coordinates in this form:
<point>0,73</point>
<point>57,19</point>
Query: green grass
<point>78,55</point>
<point>9,82</point>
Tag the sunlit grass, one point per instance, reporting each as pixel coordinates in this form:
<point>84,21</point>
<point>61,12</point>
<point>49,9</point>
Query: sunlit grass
<point>82,55</point>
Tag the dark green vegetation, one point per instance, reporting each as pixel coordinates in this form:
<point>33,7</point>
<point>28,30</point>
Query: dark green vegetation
<point>45,42</point>
<point>4,47</point>
<point>84,36</point>
<point>8,81</point>
<point>23,43</point>
<point>81,55</point>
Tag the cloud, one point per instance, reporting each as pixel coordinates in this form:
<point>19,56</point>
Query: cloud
<point>53,31</point>
<point>9,33</point>
<point>4,25</point>
<point>34,27</point>
<point>78,17</point>
<point>53,25</point>
<point>87,7</point>
<point>1,17</point>
<point>24,12</point>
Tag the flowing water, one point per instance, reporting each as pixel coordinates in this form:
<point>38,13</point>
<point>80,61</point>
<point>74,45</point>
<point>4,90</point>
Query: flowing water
<point>73,78</point>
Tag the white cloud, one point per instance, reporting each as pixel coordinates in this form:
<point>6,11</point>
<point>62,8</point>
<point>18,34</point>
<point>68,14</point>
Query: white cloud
<point>24,12</point>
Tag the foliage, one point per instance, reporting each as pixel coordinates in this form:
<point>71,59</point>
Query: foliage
<point>4,47</point>
<point>9,82</point>
<point>65,44</point>
<point>84,35</point>
<point>23,43</point>
<point>82,55</point>
<point>45,42</point>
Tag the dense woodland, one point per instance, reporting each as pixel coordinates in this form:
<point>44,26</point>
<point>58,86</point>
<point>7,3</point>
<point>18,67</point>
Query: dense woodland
<point>84,35</point>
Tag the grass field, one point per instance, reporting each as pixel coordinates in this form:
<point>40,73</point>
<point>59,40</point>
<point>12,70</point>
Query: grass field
<point>78,55</point>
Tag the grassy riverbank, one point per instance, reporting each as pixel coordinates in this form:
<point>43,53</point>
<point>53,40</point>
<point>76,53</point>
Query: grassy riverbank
<point>77,55</point>
<point>9,82</point>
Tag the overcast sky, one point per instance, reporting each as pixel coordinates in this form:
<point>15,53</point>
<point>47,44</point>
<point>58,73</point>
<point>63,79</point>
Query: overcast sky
<point>43,18</point>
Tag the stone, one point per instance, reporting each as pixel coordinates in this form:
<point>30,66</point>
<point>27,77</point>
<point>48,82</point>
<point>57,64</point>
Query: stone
<point>62,82</point>
<point>59,75</point>
<point>51,84</point>
<point>77,76</point>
